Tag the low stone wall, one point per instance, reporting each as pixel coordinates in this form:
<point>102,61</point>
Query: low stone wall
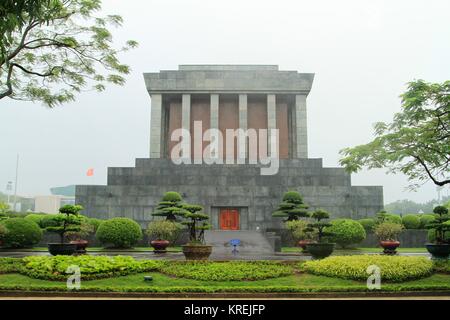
<point>408,239</point>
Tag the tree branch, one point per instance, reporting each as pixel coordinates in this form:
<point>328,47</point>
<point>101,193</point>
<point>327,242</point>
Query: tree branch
<point>436,182</point>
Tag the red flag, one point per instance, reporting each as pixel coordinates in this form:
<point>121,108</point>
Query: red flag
<point>90,172</point>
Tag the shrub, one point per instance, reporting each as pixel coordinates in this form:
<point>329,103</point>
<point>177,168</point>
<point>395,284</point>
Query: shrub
<point>121,232</point>
<point>227,271</point>
<point>10,265</point>
<point>411,221</point>
<point>164,230</point>
<point>292,207</point>
<point>393,268</point>
<point>383,216</point>
<point>298,230</point>
<point>386,231</point>
<point>95,223</point>
<point>440,225</point>
<point>21,233</point>
<point>91,267</point>
<point>368,224</point>
<point>425,219</point>
<point>2,233</point>
<point>346,232</point>
<point>66,222</point>
<point>36,218</point>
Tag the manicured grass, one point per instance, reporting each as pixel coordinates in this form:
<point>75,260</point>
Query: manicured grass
<point>162,283</point>
<point>359,250</point>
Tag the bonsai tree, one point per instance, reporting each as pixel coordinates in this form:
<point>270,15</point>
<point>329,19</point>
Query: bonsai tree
<point>298,230</point>
<point>170,206</point>
<point>292,207</point>
<point>196,223</point>
<point>66,221</point>
<point>388,231</point>
<point>319,226</point>
<point>440,225</point>
<point>85,229</point>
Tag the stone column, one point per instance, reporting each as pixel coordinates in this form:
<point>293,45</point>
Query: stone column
<point>243,124</point>
<point>214,111</point>
<point>271,117</point>
<point>186,123</point>
<point>156,126</point>
<point>301,126</point>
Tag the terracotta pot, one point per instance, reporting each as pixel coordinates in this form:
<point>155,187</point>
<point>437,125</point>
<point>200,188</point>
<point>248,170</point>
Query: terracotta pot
<point>197,252</point>
<point>389,246</point>
<point>303,243</point>
<point>81,245</point>
<point>159,245</point>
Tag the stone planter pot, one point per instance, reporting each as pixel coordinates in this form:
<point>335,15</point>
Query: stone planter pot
<point>81,245</point>
<point>389,246</point>
<point>160,245</point>
<point>303,243</point>
<point>62,249</point>
<point>196,252</point>
<point>438,251</point>
<point>320,250</point>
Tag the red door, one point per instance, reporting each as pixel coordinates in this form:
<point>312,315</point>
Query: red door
<point>229,219</point>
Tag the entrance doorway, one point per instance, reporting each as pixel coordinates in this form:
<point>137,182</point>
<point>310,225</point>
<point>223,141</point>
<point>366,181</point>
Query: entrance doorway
<point>229,219</point>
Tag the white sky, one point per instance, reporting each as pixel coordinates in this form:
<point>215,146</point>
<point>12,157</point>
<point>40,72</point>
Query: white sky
<point>362,53</point>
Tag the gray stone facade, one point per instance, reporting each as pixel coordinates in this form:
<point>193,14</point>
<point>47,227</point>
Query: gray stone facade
<point>134,192</point>
<point>228,95</point>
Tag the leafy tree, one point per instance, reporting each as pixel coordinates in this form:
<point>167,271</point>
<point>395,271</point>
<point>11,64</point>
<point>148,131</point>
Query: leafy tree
<point>291,207</point>
<point>319,227</point>
<point>440,224</point>
<point>54,49</point>
<point>170,206</point>
<point>66,222</point>
<point>196,222</point>
<point>4,209</point>
<point>416,143</point>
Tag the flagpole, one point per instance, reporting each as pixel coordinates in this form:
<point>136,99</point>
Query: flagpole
<point>15,184</point>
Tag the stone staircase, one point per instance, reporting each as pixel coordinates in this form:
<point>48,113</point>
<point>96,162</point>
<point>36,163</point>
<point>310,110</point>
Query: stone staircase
<point>253,244</point>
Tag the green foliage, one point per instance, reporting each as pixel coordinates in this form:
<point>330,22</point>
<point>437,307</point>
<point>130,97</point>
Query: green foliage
<point>388,231</point>
<point>4,209</point>
<point>442,266</point>
<point>383,216</point>
<point>91,267</point>
<point>67,222</point>
<point>298,230</point>
<point>431,235</point>
<point>411,221</point>
<point>164,230</point>
<point>368,224</point>
<point>36,218</point>
<point>10,265</point>
<point>196,222</point>
<point>120,232</point>
<point>416,143</point>
<point>292,207</point>
<point>170,206</point>
<point>425,219</point>
<point>227,271</point>
<point>346,232</point>
<point>52,50</point>
<point>95,223</point>
<point>21,233</point>
<point>393,268</point>
<point>408,206</point>
<point>319,227</point>
<point>440,225</point>
<point>3,232</point>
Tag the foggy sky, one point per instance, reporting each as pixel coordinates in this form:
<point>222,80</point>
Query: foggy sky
<point>362,53</point>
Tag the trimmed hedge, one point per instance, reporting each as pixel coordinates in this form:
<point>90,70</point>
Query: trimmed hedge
<point>91,267</point>
<point>121,232</point>
<point>425,219</point>
<point>21,233</point>
<point>227,271</point>
<point>394,218</point>
<point>368,224</point>
<point>411,221</point>
<point>346,232</point>
<point>36,218</point>
<point>393,268</point>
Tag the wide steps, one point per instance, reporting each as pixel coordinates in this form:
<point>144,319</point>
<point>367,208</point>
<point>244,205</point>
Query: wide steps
<point>251,242</point>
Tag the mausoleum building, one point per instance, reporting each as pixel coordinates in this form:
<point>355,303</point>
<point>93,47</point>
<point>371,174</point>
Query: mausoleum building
<point>203,99</point>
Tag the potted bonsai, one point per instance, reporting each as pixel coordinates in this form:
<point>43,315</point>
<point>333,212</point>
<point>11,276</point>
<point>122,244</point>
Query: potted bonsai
<point>440,249</point>
<point>196,223</point>
<point>66,221</point>
<point>163,232</point>
<point>79,237</point>
<point>297,228</point>
<point>387,234</point>
<point>292,207</point>
<point>322,248</point>
<point>170,206</point>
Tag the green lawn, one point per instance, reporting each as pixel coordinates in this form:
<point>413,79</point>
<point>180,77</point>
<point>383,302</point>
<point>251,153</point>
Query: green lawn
<point>101,249</point>
<point>161,283</point>
<point>359,250</point>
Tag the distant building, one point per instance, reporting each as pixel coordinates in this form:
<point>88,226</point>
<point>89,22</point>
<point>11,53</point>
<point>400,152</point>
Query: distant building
<point>52,203</point>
